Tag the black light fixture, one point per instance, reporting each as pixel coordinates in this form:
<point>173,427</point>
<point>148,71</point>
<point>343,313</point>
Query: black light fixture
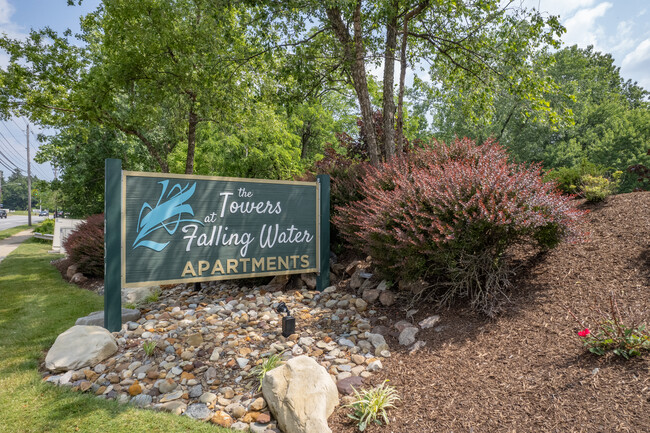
<point>288,322</point>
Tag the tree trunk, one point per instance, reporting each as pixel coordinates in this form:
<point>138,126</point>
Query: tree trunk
<point>354,55</point>
<point>402,74</point>
<point>400,97</point>
<point>389,80</point>
<point>193,120</point>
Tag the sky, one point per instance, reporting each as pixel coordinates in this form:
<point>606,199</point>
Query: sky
<point>618,27</point>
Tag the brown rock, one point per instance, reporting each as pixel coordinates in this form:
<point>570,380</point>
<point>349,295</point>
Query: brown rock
<point>258,404</point>
<point>345,385</point>
<point>387,298</point>
<point>100,390</point>
<point>195,340</point>
<point>222,418</point>
<point>85,386</point>
<point>186,375</point>
<point>250,417</point>
<point>352,267</point>
<point>135,389</point>
<point>264,418</point>
<point>370,295</point>
<point>152,374</point>
<point>90,375</point>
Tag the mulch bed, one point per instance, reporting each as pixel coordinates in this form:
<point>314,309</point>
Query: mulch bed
<point>526,370</point>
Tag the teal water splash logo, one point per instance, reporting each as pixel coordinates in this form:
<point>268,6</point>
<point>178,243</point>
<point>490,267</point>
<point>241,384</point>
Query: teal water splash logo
<point>167,214</point>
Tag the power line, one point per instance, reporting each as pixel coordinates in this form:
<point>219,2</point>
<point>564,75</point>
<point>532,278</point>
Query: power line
<point>10,147</point>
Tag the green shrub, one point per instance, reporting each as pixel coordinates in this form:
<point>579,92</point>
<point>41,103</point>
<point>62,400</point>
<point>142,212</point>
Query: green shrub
<point>448,213</point>
<point>568,179</point>
<point>85,246</point>
<point>598,188</point>
<point>46,227</point>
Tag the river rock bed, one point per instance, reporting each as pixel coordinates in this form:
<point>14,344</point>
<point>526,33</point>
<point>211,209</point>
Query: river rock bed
<point>208,343</point>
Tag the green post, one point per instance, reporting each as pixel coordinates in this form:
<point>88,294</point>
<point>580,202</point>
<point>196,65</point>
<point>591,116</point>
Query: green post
<point>323,280</point>
<point>112,245</point>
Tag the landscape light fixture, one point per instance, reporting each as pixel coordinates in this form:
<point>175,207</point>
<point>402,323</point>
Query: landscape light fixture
<point>288,322</point>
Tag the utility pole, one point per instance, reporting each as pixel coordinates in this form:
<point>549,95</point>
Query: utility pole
<point>29,183</point>
<point>1,189</point>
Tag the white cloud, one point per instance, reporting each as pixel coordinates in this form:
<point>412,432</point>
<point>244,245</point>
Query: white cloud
<point>6,11</point>
<point>582,28</point>
<point>557,7</point>
<point>637,63</point>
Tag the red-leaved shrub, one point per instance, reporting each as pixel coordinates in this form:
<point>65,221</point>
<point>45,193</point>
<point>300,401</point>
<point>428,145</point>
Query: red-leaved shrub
<point>85,246</point>
<point>446,214</point>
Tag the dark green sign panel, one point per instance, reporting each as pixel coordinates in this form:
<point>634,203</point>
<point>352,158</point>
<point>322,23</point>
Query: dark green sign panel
<point>178,228</point>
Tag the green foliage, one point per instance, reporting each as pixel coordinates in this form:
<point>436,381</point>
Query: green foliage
<point>604,120</point>
<point>152,297</point>
<point>615,333</point>
<point>149,347</point>
<point>267,365</point>
<point>569,179</point>
<point>598,188</point>
<point>260,145</point>
<point>370,405</point>
<point>46,227</point>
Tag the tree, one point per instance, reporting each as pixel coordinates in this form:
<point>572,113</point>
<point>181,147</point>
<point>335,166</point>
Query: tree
<point>155,70</point>
<point>610,116</point>
<point>462,41</point>
<point>79,151</point>
<point>14,192</point>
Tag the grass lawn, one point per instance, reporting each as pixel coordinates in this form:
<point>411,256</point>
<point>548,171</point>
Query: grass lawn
<point>4,234</point>
<point>36,305</point>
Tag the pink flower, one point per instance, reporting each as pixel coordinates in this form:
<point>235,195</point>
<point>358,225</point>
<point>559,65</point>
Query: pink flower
<point>584,332</point>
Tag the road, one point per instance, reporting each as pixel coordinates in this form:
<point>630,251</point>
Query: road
<point>17,220</point>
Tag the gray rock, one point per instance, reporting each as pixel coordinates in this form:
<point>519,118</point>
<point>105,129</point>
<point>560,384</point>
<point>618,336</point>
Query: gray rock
<point>175,407</point>
<point>376,339</point>
<point>78,278</point>
<point>429,322</point>
<point>141,400</point>
<point>136,295</point>
<point>97,318</point>
<point>79,347</point>
<point>370,295</point>
<point>167,385</point>
<point>240,426</point>
<point>198,411</point>
<point>196,391</point>
<point>387,298</point>
<point>407,336</point>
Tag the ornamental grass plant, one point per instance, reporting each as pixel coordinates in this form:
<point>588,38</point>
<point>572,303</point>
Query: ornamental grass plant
<point>447,214</point>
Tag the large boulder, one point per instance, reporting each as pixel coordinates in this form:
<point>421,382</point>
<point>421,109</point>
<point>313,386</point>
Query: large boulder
<point>80,347</point>
<point>301,395</point>
<point>97,318</point>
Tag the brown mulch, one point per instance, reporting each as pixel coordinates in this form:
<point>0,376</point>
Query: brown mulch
<point>526,370</point>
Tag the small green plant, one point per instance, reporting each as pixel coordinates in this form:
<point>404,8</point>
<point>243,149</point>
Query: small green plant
<point>267,365</point>
<point>598,188</point>
<point>130,306</point>
<point>372,403</point>
<point>46,227</point>
<point>149,347</point>
<point>152,298</point>
<point>613,334</point>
